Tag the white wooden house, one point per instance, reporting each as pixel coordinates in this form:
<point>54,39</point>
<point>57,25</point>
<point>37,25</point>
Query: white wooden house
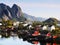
<point>16,24</point>
<point>0,24</point>
<point>44,27</point>
<point>47,27</point>
<point>25,25</point>
<point>50,28</point>
<point>30,26</point>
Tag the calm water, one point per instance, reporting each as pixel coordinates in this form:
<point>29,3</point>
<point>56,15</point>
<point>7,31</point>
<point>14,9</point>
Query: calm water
<point>17,41</point>
<point>13,41</point>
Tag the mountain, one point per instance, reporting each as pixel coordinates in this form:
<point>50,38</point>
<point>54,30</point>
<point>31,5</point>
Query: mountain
<point>4,13</point>
<point>33,18</point>
<point>51,21</point>
<point>15,13</point>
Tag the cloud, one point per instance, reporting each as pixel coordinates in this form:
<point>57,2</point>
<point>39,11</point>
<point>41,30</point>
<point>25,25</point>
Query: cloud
<point>35,5</point>
<point>46,5</point>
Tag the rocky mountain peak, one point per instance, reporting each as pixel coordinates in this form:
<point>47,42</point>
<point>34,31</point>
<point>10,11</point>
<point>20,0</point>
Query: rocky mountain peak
<point>15,13</point>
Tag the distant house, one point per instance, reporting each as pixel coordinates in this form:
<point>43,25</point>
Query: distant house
<point>44,27</point>
<point>25,25</point>
<point>51,27</point>
<point>48,27</point>
<point>0,24</point>
<point>0,36</point>
<point>30,26</point>
<point>16,24</point>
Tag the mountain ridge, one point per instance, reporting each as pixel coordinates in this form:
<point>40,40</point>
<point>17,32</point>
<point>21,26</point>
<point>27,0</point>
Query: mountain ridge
<point>52,21</point>
<point>33,18</point>
<point>15,13</point>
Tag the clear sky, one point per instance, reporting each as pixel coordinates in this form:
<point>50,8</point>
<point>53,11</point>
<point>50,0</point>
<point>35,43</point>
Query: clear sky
<point>38,8</point>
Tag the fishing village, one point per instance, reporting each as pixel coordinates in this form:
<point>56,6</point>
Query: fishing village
<point>30,32</point>
<point>17,27</point>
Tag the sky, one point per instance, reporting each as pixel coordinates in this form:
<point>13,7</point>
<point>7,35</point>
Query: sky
<point>37,8</point>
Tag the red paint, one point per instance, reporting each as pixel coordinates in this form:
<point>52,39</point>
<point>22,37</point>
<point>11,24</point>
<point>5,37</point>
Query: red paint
<point>48,34</point>
<point>35,42</point>
<point>48,44</point>
<point>54,44</point>
<point>36,33</point>
<point>54,36</point>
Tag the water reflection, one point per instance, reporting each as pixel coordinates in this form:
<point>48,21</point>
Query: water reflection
<point>13,41</point>
<point>17,41</point>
